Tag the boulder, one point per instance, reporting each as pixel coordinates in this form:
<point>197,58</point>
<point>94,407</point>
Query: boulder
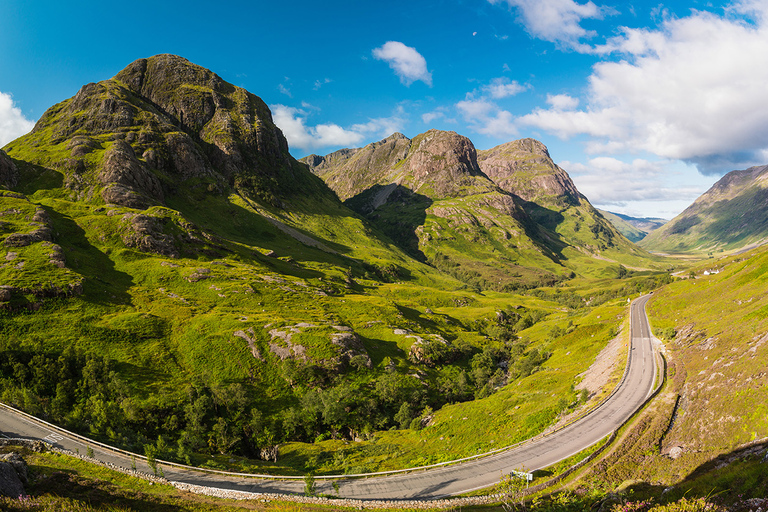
<point>13,475</point>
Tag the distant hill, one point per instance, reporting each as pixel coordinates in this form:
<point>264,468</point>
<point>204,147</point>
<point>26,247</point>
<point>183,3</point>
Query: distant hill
<point>731,215</point>
<point>634,228</point>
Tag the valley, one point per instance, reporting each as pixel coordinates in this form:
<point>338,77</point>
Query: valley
<point>175,284</point>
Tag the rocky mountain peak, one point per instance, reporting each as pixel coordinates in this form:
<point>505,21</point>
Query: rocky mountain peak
<point>525,168</point>
<point>180,125</point>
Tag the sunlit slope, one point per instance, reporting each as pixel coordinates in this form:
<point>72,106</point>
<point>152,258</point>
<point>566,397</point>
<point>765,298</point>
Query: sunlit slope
<point>731,215</point>
<point>716,331</point>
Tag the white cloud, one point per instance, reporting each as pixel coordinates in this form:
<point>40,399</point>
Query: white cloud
<point>610,181</point>
<point>692,90</point>
<point>406,62</point>
<point>562,101</point>
<point>487,118</point>
<point>484,115</point>
<point>13,124</point>
<point>502,88</point>
<point>557,21</point>
<point>320,83</point>
<point>284,90</point>
<point>293,123</point>
<point>428,117</point>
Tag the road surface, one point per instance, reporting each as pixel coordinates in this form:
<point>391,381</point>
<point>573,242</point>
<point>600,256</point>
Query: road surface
<point>440,482</point>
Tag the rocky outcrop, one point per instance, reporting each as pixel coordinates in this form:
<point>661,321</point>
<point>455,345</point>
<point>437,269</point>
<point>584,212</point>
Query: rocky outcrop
<point>436,164</point>
<point>431,351</point>
<point>351,346</point>
<point>13,475</point>
<point>146,233</point>
<point>9,175</point>
<point>127,182</point>
<point>524,168</point>
<point>163,126</point>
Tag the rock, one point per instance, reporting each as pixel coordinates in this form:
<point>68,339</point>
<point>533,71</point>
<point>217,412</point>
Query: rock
<point>25,239</point>
<point>524,168</point>
<point>127,182</point>
<point>431,351</point>
<point>6,292</point>
<point>351,345</point>
<point>146,234</point>
<point>675,453</point>
<point>13,475</point>
<point>250,338</point>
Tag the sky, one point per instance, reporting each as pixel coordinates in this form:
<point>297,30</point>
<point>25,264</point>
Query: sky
<point>644,104</point>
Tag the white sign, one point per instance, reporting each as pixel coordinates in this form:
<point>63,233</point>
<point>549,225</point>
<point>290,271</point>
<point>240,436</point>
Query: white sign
<point>523,475</point>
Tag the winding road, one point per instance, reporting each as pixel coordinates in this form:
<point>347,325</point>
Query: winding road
<point>537,453</point>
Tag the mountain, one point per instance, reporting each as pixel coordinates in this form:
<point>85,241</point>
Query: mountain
<point>731,215</point>
<point>430,196</point>
<point>438,197</point>
<point>568,223</point>
<point>634,228</point>
<point>172,281</point>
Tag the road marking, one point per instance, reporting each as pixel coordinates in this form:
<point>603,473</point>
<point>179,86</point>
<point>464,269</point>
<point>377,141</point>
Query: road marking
<point>54,438</point>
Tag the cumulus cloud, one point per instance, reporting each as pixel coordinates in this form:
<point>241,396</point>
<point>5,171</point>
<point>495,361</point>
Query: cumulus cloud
<point>442,114</point>
<point>13,124</point>
<point>406,62</point>
<point>557,21</point>
<point>502,88</point>
<point>562,101</point>
<point>484,115</point>
<point>293,123</point>
<point>691,90</point>
<point>428,117</point>
<point>487,118</point>
<point>610,181</point>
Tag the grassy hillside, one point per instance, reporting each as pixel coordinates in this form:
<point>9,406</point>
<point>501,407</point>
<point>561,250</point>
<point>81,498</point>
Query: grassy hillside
<point>173,282</point>
<point>502,219</point>
<point>729,217</point>
<point>706,433</point>
<point>720,346</point>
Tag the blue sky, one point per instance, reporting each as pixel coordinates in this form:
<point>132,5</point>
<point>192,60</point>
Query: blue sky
<point>645,104</point>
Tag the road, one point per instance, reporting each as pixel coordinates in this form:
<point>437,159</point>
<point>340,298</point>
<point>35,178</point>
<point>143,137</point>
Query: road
<point>538,453</point>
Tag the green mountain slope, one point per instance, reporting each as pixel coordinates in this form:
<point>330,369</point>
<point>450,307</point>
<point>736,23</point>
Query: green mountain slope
<point>172,281</point>
<point>634,228</point>
<point>731,215</point>
<point>429,195</point>
<point>716,332</point>
<point>573,229</point>
<point>166,266</point>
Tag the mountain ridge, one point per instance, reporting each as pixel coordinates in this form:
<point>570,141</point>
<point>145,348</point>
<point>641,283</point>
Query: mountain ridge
<point>731,215</point>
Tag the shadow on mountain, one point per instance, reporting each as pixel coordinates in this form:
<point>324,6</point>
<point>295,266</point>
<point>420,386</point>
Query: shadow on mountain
<point>740,218</point>
<point>395,210</point>
<point>550,241</point>
<point>102,283</point>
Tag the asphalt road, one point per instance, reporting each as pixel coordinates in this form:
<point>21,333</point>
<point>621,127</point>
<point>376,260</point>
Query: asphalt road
<point>445,481</point>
